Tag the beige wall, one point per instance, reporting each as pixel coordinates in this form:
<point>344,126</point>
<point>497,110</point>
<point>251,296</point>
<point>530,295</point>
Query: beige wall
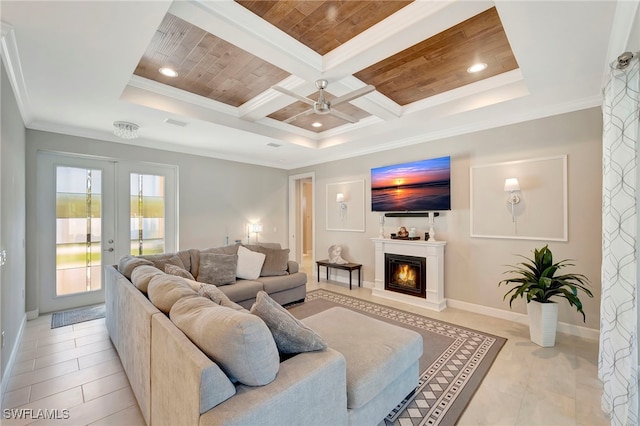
<point>474,266</point>
<point>217,198</point>
<point>12,221</point>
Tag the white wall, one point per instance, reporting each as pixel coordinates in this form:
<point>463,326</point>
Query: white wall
<point>474,266</point>
<point>217,198</point>
<point>12,222</point>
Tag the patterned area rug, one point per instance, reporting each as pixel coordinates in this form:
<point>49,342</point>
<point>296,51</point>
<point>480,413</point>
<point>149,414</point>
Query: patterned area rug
<point>75,316</point>
<point>454,362</point>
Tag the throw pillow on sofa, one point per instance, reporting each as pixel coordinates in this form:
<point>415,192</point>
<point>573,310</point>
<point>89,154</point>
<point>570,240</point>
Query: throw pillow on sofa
<point>291,335</point>
<point>249,263</point>
<point>214,294</point>
<point>217,269</point>
<point>178,271</point>
<point>275,262</point>
<point>240,343</point>
<point>165,290</point>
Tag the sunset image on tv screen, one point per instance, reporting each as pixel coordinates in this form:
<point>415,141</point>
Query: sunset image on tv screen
<point>417,186</point>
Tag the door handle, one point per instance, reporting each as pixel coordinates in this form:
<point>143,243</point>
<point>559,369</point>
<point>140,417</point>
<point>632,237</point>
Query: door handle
<point>109,249</point>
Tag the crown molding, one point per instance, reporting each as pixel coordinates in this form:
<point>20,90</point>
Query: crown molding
<point>13,66</point>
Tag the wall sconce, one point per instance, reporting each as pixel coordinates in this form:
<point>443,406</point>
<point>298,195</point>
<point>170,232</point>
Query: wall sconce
<point>254,228</point>
<point>341,203</point>
<point>511,185</point>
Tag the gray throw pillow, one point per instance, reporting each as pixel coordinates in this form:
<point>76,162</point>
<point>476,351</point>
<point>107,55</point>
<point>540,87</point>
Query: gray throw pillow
<point>291,335</point>
<point>217,269</point>
<point>275,262</point>
<point>161,262</point>
<point>178,271</point>
<point>216,295</point>
<point>238,342</point>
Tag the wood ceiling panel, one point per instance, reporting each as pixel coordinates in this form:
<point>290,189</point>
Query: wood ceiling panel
<point>207,65</point>
<point>323,25</point>
<point>440,63</point>
<point>328,121</point>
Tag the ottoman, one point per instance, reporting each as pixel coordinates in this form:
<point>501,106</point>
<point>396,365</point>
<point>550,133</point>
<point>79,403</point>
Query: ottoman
<point>382,361</point>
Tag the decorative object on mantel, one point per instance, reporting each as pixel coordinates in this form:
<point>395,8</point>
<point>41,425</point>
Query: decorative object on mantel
<point>537,279</point>
<point>432,233</point>
<point>335,255</point>
<point>402,232</point>
<point>381,226</point>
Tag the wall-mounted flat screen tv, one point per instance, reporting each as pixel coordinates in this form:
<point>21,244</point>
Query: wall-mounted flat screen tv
<point>411,187</point>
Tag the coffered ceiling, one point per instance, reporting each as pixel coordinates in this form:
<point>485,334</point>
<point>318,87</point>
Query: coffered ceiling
<point>78,66</point>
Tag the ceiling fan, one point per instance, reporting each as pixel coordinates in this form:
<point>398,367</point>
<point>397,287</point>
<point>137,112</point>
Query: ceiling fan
<point>323,105</point>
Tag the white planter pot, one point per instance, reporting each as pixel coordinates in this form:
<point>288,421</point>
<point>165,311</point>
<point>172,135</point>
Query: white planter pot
<point>543,322</point>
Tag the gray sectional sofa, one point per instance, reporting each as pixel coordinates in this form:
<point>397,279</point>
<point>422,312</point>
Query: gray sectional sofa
<point>169,329</point>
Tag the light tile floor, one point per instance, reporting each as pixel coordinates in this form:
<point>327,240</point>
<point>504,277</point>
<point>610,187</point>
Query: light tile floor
<point>76,368</point>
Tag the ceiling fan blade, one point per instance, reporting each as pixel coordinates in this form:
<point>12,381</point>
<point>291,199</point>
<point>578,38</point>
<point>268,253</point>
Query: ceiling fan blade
<point>293,95</point>
<point>302,114</point>
<point>353,95</point>
<point>342,115</point>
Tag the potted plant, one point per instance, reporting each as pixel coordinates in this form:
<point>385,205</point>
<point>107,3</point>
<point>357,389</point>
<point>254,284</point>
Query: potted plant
<point>537,280</point>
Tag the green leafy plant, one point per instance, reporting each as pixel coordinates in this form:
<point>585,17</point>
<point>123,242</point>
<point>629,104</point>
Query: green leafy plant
<point>537,280</point>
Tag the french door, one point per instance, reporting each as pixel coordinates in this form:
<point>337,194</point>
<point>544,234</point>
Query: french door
<point>91,212</point>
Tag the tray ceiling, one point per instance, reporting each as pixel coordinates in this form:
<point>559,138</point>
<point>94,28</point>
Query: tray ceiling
<point>211,67</point>
<point>78,76</point>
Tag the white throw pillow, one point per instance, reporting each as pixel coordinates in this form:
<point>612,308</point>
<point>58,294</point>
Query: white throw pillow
<point>249,263</point>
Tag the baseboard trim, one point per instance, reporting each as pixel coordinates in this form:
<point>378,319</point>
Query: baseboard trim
<point>31,315</point>
<point>12,360</point>
<point>572,329</point>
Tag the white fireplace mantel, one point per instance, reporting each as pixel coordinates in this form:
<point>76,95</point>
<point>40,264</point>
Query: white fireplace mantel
<point>433,251</point>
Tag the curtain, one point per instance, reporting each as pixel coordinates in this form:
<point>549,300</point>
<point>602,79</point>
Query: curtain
<point>618,356</point>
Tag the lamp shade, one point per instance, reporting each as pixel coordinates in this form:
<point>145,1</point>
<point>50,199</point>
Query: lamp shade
<point>340,197</point>
<point>511,184</point>
<point>255,227</point>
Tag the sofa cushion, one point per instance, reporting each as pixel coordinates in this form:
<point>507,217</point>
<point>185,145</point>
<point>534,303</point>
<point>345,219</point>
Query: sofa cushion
<point>217,269</point>
<point>128,263</point>
<point>355,335</point>
<point>165,290</point>
<point>178,271</point>
<point>240,343</point>
<point>142,275</point>
<point>249,263</point>
<point>291,336</point>
<point>242,290</point>
<point>284,282</point>
<point>275,263</point>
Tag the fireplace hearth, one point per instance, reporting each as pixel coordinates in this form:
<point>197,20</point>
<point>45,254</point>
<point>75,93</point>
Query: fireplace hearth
<point>433,272</point>
<point>405,274</point>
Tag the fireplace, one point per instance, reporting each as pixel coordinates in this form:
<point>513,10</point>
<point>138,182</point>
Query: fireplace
<point>405,274</point>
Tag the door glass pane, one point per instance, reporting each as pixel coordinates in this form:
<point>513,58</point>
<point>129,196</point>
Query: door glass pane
<point>147,214</point>
<point>78,230</point>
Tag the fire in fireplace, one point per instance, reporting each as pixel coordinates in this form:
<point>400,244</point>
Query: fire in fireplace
<point>405,274</point>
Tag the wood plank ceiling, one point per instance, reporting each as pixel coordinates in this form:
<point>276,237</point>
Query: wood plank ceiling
<point>216,69</point>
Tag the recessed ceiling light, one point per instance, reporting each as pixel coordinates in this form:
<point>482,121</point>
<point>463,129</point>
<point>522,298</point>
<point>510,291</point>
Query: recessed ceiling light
<point>168,72</point>
<point>316,124</point>
<point>477,67</point>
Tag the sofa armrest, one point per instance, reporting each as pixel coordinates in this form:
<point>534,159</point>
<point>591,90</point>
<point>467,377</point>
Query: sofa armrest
<point>310,389</point>
<point>128,318</point>
<point>293,266</point>
<point>184,381</point>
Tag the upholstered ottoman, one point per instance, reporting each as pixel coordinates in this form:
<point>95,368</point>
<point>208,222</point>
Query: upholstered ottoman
<point>382,361</point>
